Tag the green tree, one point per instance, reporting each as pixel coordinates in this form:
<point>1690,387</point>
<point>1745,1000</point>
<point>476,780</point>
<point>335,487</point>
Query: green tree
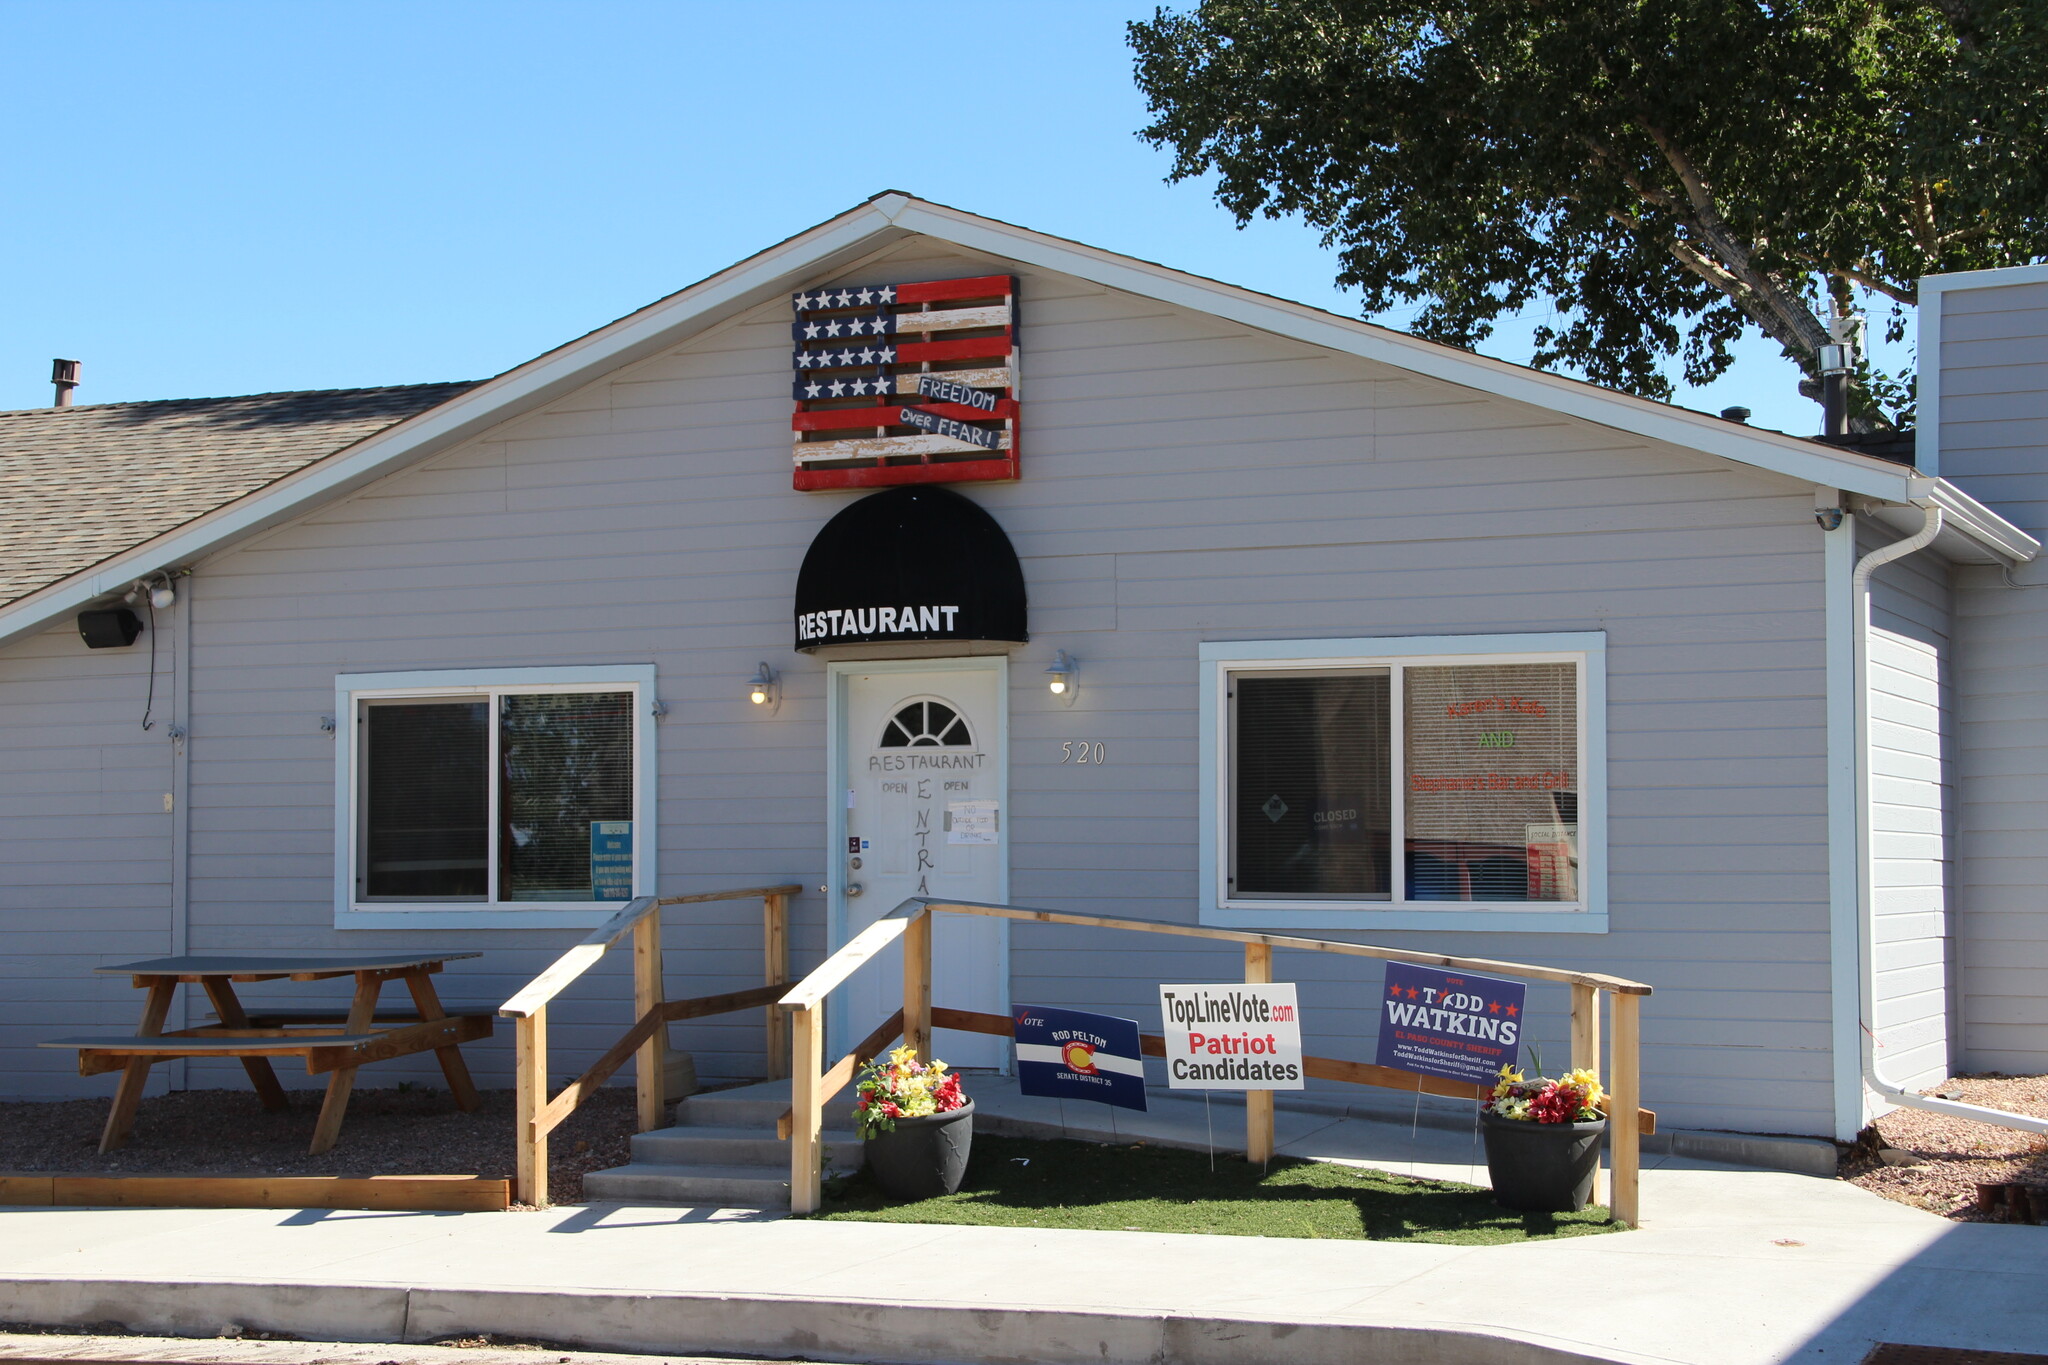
<point>1664,172</point>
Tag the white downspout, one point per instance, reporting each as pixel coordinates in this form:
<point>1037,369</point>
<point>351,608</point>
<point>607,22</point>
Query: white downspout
<point>1866,865</point>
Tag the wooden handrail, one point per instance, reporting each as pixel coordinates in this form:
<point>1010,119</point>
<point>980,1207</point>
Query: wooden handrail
<point>647,1040</point>
<point>853,956</point>
<point>535,994</point>
<point>812,1082</point>
<point>581,958</point>
<point>1616,984</point>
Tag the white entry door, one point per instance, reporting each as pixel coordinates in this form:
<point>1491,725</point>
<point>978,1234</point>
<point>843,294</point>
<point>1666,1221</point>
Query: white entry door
<point>922,750</point>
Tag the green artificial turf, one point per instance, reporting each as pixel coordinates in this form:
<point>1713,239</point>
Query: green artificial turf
<point>1019,1183</point>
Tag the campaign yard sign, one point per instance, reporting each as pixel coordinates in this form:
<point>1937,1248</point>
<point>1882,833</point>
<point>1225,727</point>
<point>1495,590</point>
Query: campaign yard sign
<point>1234,1036</point>
<point>1072,1055</point>
<point>1450,1024</point>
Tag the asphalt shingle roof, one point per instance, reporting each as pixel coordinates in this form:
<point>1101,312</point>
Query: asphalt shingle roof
<point>80,485</point>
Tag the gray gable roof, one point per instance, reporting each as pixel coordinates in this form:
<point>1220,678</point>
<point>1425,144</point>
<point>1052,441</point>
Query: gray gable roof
<point>80,485</point>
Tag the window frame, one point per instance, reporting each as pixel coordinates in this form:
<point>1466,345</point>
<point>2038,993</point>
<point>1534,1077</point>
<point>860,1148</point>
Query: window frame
<point>353,690</point>
<point>1219,659</point>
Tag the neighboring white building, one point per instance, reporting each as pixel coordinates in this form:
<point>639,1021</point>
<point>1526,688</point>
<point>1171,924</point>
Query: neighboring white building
<point>1370,638</point>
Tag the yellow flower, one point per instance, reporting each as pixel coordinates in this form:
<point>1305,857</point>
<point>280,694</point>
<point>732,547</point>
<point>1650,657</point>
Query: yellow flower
<point>1585,1080</point>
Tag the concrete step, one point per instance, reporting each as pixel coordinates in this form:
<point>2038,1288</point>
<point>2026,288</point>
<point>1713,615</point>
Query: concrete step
<point>713,1145</point>
<point>662,1183</point>
<point>751,1108</point>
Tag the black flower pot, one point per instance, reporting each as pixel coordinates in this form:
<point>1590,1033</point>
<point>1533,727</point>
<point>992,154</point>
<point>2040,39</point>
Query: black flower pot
<point>925,1156</point>
<point>1542,1167</point>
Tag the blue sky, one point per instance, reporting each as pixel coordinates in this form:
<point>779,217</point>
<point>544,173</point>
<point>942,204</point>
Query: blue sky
<point>213,198</point>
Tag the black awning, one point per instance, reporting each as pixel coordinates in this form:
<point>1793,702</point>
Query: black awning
<point>914,563</point>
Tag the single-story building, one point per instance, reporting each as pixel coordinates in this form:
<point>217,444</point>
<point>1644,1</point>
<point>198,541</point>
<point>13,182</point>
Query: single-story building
<point>926,554</point>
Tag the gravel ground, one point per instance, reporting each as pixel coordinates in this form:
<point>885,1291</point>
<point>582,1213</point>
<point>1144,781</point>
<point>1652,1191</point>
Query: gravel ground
<point>1955,1154</point>
<point>411,1131</point>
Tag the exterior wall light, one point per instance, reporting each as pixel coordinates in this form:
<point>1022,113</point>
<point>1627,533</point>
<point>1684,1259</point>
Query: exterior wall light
<point>1061,678</point>
<point>763,690</point>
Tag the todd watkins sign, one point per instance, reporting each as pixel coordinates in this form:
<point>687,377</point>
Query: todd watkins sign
<point>1450,1024</point>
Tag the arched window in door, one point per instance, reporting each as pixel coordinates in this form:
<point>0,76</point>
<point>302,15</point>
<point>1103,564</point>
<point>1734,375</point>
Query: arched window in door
<point>927,724</point>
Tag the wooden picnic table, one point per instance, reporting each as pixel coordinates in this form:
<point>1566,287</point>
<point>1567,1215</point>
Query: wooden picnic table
<point>332,1042</point>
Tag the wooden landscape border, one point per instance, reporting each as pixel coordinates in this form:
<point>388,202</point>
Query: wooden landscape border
<point>395,1193</point>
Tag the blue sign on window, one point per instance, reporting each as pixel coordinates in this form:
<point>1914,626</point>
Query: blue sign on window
<point>611,860</point>
<point>1069,1055</point>
<point>1450,1024</point>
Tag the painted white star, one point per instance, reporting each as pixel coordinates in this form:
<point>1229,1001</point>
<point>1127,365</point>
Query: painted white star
<point>831,329</point>
<point>844,298</point>
<point>867,295</point>
<point>846,357</point>
<point>888,354</point>
<point>888,294</point>
<point>867,357</point>
<point>810,329</point>
<point>813,389</point>
<point>801,301</point>
<point>856,325</point>
<point>837,388</point>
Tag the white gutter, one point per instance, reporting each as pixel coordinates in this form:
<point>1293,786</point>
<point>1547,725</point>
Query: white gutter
<point>1866,867</point>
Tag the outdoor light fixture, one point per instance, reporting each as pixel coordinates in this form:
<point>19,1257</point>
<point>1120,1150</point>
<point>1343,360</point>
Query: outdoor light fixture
<point>1059,679</point>
<point>763,690</point>
<point>161,596</point>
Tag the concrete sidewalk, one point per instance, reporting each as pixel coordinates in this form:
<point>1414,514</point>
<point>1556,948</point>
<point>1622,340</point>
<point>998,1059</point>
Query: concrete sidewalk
<point>1731,1266</point>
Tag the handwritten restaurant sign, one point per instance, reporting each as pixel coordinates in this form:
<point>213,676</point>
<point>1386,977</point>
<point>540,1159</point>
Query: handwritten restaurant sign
<point>1449,1024</point>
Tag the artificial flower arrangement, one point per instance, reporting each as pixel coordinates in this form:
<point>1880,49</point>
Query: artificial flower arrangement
<point>903,1087</point>
<point>1575,1097</point>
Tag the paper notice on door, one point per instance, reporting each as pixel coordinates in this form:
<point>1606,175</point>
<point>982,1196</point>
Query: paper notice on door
<point>970,822</point>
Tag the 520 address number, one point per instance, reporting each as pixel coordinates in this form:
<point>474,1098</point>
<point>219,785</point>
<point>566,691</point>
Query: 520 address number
<point>1081,751</point>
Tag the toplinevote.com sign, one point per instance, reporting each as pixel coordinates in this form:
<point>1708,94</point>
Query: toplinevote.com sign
<point>1233,1036</point>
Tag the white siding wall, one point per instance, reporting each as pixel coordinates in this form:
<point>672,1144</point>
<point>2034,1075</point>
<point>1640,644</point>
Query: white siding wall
<point>1185,479</point>
<point>1911,794</point>
<point>85,847</point>
<point>1994,443</point>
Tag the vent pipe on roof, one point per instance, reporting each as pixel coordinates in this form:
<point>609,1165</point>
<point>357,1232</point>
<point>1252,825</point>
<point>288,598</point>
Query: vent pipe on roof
<point>64,374</point>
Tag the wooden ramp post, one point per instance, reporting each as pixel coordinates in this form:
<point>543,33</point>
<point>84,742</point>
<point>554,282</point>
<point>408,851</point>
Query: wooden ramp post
<point>775,948</point>
<point>650,1063</point>
<point>807,1060</point>
<point>917,985</point>
<point>1586,1054</point>
<point>1624,1122</point>
<point>1258,1104</point>
<point>530,1096</point>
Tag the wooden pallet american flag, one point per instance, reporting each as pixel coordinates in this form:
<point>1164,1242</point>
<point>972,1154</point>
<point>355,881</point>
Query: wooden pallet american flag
<point>905,383</point>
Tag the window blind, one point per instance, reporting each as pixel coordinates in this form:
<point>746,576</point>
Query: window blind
<point>1310,798</point>
<point>1493,781</point>
<point>426,819</point>
<point>566,761</point>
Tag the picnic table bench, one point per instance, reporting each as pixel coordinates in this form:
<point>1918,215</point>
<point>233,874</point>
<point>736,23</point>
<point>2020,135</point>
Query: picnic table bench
<point>332,1042</point>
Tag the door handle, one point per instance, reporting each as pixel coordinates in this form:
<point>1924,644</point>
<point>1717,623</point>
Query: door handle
<point>852,889</point>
